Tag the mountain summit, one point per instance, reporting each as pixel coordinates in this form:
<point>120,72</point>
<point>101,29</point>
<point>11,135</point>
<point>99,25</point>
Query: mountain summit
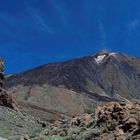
<point>101,55</point>
<point>105,76</point>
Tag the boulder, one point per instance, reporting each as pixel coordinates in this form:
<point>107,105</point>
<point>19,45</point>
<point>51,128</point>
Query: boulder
<point>8,100</point>
<point>83,119</point>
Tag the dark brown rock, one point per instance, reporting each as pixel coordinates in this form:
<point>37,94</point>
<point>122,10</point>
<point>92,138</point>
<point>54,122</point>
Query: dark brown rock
<point>83,119</point>
<point>8,100</point>
<point>130,125</point>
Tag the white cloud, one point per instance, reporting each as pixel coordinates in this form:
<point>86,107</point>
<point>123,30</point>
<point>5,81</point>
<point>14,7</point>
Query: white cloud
<point>42,23</point>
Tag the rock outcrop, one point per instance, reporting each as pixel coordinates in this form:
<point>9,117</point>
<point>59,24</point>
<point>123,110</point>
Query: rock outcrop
<point>1,73</point>
<point>121,120</point>
<point>8,100</point>
<point>112,121</point>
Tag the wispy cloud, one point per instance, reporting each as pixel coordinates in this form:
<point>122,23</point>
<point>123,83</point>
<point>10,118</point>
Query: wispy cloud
<point>59,10</point>
<point>43,25</point>
<point>39,20</point>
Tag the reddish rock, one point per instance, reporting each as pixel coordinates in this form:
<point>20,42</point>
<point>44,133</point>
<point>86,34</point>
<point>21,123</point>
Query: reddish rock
<point>8,100</point>
<point>57,123</point>
<point>119,132</point>
<point>83,119</point>
<point>130,125</point>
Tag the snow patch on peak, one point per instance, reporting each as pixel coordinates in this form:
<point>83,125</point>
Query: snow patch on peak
<point>112,54</point>
<point>99,58</point>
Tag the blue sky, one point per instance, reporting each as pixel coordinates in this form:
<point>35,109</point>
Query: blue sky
<point>36,32</point>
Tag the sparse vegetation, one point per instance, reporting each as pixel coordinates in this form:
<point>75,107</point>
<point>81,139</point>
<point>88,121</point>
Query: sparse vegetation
<point>14,124</point>
<point>112,119</point>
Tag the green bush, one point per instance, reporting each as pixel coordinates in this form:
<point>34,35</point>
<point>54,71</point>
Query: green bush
<point>89,134</point>
<point>14,138</point>
<point>88,111</point>
<point>55,138</point>
<point>91,123</point>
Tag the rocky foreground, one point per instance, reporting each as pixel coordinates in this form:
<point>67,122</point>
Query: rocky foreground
<point>110,121</point>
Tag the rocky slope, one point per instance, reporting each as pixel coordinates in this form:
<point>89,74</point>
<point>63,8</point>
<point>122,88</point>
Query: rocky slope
<point>14,124</point>
<point>77,85</point>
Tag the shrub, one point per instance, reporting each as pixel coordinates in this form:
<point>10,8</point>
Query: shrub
<point>91,123</point>
<point>90,134</point>
<point>88,111</point>
<point>55,138</point>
